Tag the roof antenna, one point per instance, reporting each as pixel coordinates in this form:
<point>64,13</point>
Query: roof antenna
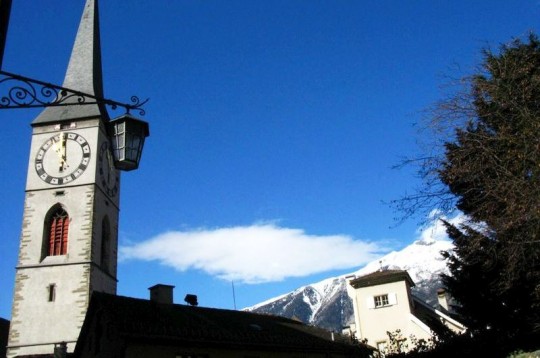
<point>233,295</point>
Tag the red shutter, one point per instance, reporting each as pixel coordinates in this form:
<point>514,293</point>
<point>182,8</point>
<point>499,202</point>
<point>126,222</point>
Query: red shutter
<point>58,236</point>
<point>65,228</point>
<point>51,237</point>
<point>58,233</point>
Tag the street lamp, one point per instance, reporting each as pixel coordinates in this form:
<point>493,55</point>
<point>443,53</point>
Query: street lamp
<point>127,135</point>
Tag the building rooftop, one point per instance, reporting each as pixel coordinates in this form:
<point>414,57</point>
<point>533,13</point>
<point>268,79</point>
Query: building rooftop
<point>4,331</point>
<point>382,277</point>
<point>139,320</point>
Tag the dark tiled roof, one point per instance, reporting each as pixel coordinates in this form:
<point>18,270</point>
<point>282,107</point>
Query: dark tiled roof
<point>4,332</point>
<point>146,321</point>
<point>45,355</point>
<point>381,277</point>
<point>427,315</point>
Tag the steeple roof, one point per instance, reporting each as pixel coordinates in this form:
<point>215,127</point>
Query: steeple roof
<point>83,73</point>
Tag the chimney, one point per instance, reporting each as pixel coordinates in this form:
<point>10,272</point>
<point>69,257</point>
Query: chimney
<point>191,300</point>
<point>441,297</point>
<point>60,350</point>
<point>161,293</point>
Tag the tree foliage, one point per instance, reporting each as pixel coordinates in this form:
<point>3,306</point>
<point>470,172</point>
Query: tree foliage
<point>490,170</point>
<point>493,169</point>
<point>493,166</point>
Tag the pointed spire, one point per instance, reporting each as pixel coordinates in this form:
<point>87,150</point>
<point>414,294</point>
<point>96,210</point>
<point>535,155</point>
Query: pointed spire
<point>84,71</point>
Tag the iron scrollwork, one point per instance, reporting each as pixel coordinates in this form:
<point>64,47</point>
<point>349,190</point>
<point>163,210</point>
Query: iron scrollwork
<point>24,92</point>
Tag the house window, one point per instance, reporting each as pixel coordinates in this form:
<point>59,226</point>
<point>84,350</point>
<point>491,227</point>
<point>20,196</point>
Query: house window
<point>386,300</point>
<point>381,347</point>
<point>58,232</point>
<point>381,301</point>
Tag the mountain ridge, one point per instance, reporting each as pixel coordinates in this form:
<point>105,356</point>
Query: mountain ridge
<point>326,303</point>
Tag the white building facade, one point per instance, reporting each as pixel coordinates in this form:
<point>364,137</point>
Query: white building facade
<point>382,303</point>
<point>68,243</point>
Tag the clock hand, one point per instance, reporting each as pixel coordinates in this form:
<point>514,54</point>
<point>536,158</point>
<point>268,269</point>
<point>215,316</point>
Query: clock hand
<point>63,152</point>
<point>111,165</point>
<point>56,146</point>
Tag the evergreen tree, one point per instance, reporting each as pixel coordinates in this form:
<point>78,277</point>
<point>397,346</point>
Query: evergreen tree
<point>492,168</point>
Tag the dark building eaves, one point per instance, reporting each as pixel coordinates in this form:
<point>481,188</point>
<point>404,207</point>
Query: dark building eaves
<point>382,277</point>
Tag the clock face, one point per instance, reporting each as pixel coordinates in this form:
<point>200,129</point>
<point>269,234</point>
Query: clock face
<point>62,158</point>
<point>107,172</point>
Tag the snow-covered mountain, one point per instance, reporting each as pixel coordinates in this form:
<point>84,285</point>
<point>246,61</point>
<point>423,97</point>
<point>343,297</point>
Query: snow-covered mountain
<point>326,303</point>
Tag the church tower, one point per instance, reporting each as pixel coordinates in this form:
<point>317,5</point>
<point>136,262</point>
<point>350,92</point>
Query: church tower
<point>69,238</point>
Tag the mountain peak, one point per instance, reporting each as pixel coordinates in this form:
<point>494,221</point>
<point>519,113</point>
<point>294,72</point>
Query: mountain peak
<point>327,304</point>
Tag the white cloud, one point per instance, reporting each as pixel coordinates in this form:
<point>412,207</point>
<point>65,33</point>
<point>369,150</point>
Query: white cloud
<point>253,254</point>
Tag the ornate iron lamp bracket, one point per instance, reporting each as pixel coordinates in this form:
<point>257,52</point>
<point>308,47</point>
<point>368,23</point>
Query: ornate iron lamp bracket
<point>17,91</point>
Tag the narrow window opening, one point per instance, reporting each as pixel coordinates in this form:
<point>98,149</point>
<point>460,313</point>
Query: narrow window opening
<point>105,245</point>
<point>58,233</point>
<point>52,292</point>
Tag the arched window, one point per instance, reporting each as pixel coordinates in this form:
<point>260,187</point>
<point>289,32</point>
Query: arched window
<point>58,226</point>
<point>105,244</point>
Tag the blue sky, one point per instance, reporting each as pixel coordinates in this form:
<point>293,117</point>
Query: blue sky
<point>274,127</point>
